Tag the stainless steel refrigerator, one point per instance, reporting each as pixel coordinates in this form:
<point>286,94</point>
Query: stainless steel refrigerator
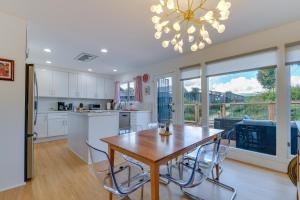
<point>31,106</point>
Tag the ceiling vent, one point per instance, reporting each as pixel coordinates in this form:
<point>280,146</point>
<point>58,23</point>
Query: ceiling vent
<point>85,57</point>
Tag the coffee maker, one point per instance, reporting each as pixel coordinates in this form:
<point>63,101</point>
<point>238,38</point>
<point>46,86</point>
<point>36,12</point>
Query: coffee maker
<point>61,106</point>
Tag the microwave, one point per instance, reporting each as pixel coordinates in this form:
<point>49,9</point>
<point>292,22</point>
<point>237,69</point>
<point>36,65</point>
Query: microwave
<point>94,106</point>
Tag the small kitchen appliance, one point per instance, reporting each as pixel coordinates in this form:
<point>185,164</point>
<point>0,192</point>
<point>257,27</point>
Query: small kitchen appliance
<point>61,106</point>
<point>94,106</point>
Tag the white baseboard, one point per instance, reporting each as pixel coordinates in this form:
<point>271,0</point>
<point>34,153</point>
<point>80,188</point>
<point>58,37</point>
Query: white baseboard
<point>81,158</point>
<point>12,187</point>
<point>49,139</point>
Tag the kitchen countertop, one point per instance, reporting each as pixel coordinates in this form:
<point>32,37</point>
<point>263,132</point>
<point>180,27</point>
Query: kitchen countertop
<point>92,112</point>
<point>133,111</point>
<point>53,111</point>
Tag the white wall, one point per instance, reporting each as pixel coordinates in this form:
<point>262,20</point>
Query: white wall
<point>12,102</point>
<point>276,37</point>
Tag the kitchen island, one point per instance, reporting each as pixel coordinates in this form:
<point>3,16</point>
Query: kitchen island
<point>91,127</point>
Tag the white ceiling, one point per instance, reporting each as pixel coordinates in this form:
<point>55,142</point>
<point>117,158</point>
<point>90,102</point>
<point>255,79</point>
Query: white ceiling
<point>70,27</point>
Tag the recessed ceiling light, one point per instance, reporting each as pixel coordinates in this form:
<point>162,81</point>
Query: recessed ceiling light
<point>48,62</point>
<point>115,70</point>
<point>90,70</point>
<point>104,50</point>
<point>47,50</point>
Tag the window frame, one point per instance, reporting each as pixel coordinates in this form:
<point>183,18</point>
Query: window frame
<point>128,96</point>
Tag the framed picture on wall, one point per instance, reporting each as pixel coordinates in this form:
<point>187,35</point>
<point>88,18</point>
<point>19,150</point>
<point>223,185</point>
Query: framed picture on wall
<point>7,69</point>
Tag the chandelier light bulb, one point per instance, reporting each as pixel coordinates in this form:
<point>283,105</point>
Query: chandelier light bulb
<point>223,5</point>
<point>180,49</point>
<point>208,40</point>
<point>191,30</point>
<point>164,23</point>
<point>180,43</point>
<point>176,47</point>
<point>174,41</point>
<point>209,15</point>
<point>191,38</point>
<point>166,30</point>
<point>170,4</point>
<point>155,19</point>
<point>162,2</point>
<point>165,44</point>
<point>176,26</point>
<point>153,8</point>
<point>201,45</point>
<point>221,28</point>
<point>194,47</point>
<point>159,9</point>
<point>157,35</point>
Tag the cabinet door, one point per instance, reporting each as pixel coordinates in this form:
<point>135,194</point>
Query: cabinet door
<point>60,84</point>
<point>82,86</point>
<point>109,89</point>
<point>91,87</point>
<point>57,126</point>
<point>41,127</point>
<point>73,85</point>
<point>44,78</point>
<point>100,88</point>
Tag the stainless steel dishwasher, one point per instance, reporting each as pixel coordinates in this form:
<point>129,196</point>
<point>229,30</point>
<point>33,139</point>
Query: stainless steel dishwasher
<point>124,122</point>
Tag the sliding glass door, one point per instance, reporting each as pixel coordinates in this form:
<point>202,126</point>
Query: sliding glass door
<point>165,104</point>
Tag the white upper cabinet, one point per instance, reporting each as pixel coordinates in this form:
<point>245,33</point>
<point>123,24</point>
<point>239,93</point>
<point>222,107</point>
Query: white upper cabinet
<point>100,88</point>
<point>82,85</point>
<point>60,84</point>
<point>52,83</point>
<point>44,78</point>
<point>91,87</point>
<point>109,88</point>
<point>73,85</point>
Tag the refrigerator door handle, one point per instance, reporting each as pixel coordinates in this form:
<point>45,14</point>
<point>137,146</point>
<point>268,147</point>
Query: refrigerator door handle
<point>37,98</point>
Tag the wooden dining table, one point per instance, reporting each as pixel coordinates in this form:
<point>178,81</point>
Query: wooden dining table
<point>153,149</point>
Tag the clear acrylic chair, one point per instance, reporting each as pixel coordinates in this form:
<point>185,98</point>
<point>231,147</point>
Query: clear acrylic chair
<point>133,129</point>
<point>220,157</point>
<point>120,180</point>
<point>195,172</point>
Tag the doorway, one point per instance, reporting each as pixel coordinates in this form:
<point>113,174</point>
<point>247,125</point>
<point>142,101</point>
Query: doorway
<point>165,104</point>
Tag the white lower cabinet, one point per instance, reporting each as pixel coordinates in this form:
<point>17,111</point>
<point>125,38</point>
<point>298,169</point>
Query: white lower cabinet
<point>140,120</point>
<point>41,127</point>
<point>57,124</point>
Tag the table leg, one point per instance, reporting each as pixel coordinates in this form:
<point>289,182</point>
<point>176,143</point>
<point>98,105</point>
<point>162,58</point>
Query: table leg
<point>111,153</point>
<point>217,166</point>
<point>217,171</point>
<point>154,182</point>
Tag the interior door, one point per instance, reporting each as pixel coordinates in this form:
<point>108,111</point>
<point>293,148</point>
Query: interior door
<point>165,104</point>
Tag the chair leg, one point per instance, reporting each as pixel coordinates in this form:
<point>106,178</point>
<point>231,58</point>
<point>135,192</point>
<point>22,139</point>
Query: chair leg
<point>169,170</point>
<point>227,187</point>
<point>191,195</point>
<point>142,193</point>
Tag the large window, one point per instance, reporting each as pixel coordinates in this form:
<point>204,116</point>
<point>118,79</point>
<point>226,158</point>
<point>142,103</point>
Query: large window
<point>293,61</point>
<point>191,95</point>
<point>244,103</point>
<point>192,100</point>
<point>295,105</point>
<point>127,92</point>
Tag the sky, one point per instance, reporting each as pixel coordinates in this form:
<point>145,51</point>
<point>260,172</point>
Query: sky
<point>240,83</point>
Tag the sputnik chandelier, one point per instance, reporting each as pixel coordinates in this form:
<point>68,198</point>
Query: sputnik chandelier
<point>179,21</point>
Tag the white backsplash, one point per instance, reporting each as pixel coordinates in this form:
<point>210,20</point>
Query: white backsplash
<point>49,104</point>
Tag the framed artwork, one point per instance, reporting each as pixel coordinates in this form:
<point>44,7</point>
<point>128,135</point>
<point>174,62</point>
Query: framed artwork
<point>7,69</point>
<point>147,90</point>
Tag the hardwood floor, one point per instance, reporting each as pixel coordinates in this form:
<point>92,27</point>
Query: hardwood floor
<point>60,175</point>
